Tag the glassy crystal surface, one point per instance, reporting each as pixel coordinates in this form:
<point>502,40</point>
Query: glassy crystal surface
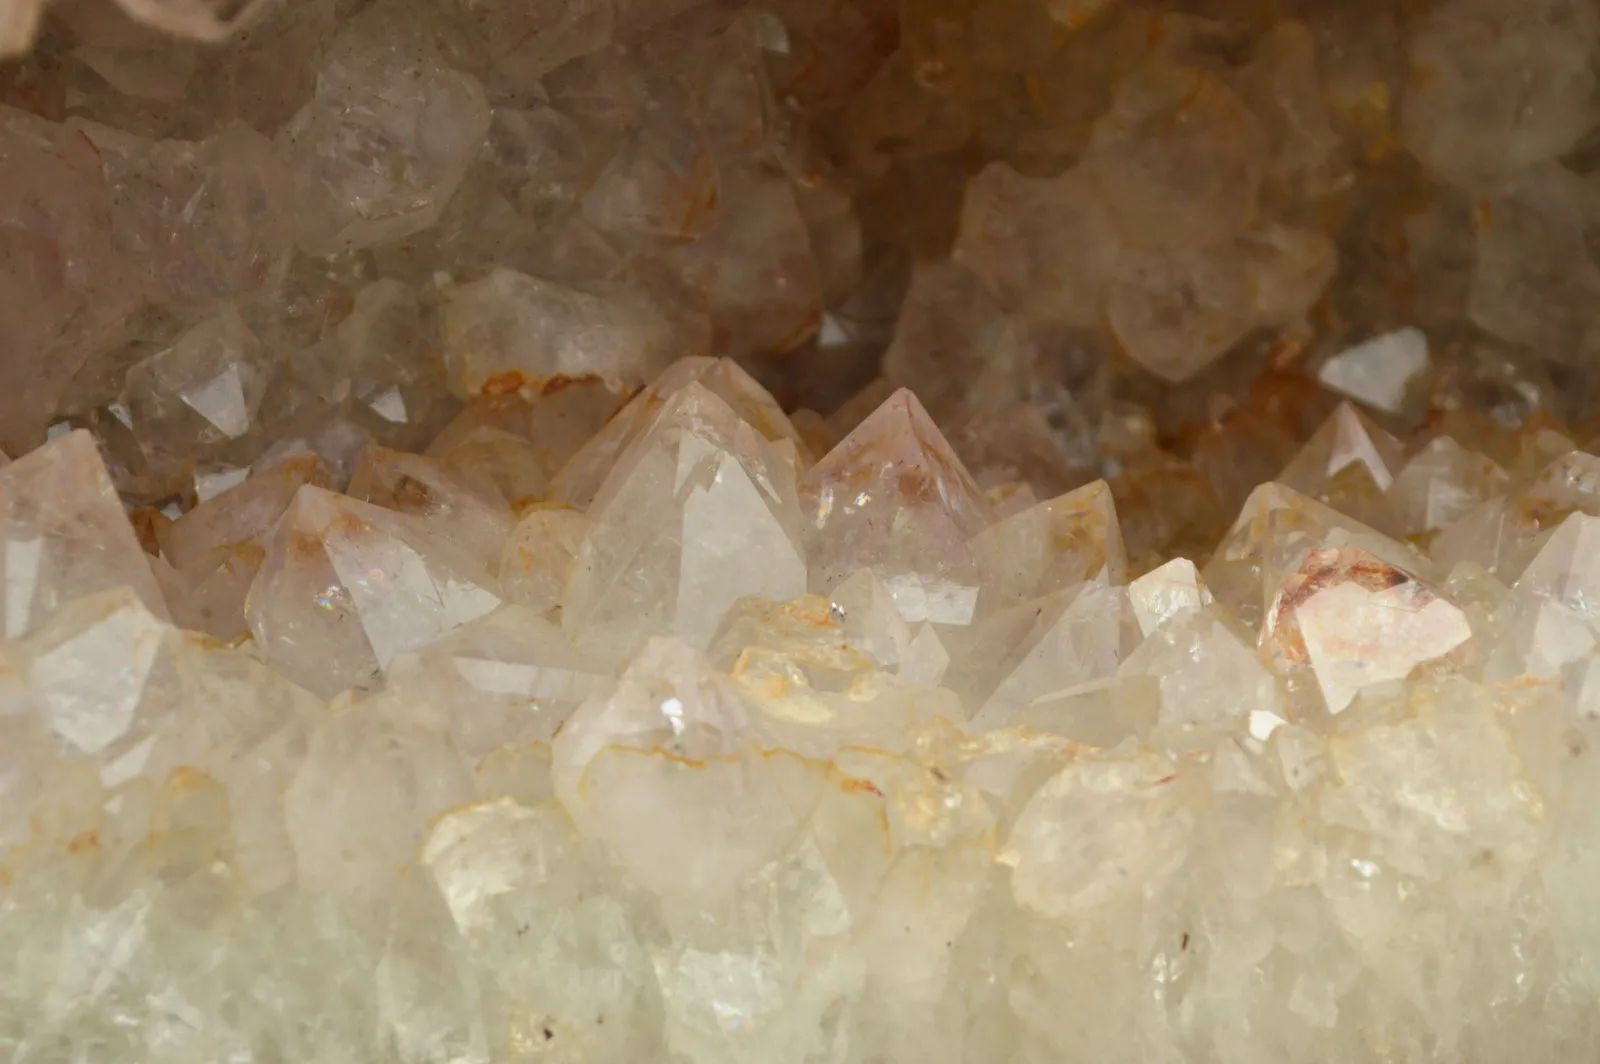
<point>868,532</point>
<point>892,497</point>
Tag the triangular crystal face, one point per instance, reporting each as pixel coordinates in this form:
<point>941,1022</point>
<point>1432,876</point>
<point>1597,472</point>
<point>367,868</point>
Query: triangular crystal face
<point>1441,483</point>
<point>1503,533</point>
<point>118,690</point>
<point>1567,567</point>
<point>894,498</point>
<point>1166,592</point>
<point>510,677</point>
<point>88,670</point>
<point>1354,620</point>
<point>1275,530</point>
<point>1347,437</point>
<point>1050,547</point>
<point>1068,638</point>
<point>346,586</point>
<point>1205,673</point>
<point>1349,463</point>
<point>1378,371</point>
<point>199,396</point>
<point>447,507</point>
<point>669,698</point>
<point>63,534</point>
<point>579,480</point>
<point>699,512</point>
<point>244,513</point>
<point>864,607</point>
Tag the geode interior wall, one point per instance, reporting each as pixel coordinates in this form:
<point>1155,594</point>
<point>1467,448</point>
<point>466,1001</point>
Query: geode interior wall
<point>865,532</point>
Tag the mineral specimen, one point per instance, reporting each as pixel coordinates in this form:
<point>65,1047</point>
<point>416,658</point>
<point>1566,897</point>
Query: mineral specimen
<point>711,532</point>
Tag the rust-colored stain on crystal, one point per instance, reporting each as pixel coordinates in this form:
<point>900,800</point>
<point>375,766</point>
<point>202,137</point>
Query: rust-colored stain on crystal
<point>84,842</point>
<point>1324,569</point>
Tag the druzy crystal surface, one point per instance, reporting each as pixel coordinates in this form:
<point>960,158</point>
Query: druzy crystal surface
<point>798,532</point>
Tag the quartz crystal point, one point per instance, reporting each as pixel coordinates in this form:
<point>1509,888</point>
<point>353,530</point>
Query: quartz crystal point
<point>1166,592</point>
<point>1206,675</point>
<point>1051,546</point>
<point>580,479</point>
<point>1441,482</point>
<point>526,41</point>
<point>1502,533</point>
<point>1175,310</point>
<point>380,148</point>
<point>1275,531</point>
<point>1534,271</point>
<point>1043,246</point>
<point>698,512</point>
<point>755,267</point>
<point>448,509</point>
<point>1349,463</point>
<point>1355,620</point>
<point>65,535</point>
<point>201,398</point>
<point>382,363</point>
<point>1178,157</point>
<point>674,738</point>
<point>115,688</point>
<point>508,679</point>
<point>893,498</point>
<point>1050,644</point>
<point>346,586</point>
<point>429,633</point>
<point>244,514</point>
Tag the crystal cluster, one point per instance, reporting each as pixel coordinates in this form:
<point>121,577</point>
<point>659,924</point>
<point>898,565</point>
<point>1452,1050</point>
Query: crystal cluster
<point>714,532</point>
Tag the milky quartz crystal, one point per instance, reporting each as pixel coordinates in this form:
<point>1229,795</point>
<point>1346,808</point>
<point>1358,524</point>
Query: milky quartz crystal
<point>869,532</point>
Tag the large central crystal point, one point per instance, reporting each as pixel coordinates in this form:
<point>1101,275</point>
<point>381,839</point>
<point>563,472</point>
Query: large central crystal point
<point>798,532</point>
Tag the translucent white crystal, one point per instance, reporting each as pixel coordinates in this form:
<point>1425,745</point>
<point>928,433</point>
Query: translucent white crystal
<point>1051,546</point>
<point>1165,592</point>
<point>416,646</point>
<point>364,761</point>
<point>64,535</point>
<point>699,512</point>
<point>1357,621</point>
<point>1442,482</point>
<point>1205,673</point>
<point>1377,371</point>
<point>379,149</point>
<point>577,482</point>
<point>344,574</point>
<point>893,498</point>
